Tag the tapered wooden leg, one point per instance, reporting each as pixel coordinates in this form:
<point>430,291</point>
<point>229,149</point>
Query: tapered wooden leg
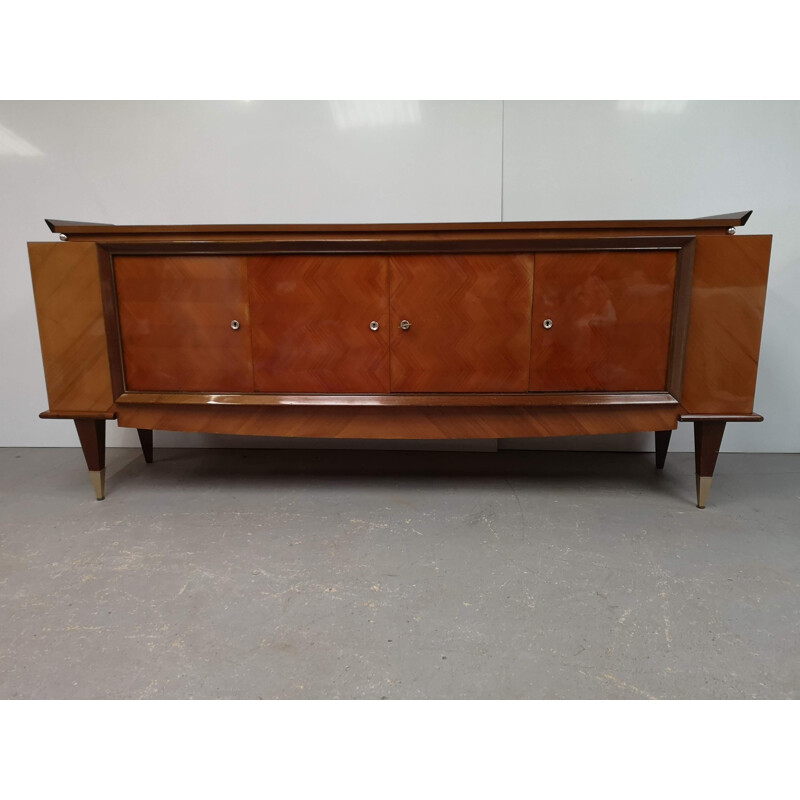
<point>146,440</point>
<point>92,433</point>
<point>707,441</point>
<point>662,445</point>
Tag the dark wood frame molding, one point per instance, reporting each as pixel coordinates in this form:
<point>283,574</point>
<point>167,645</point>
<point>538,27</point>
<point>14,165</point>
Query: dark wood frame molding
<point>684,246</point>
<point>720,224</point>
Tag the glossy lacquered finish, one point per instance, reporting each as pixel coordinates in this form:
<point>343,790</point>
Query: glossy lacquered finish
<point>311,323</point>
<point>76,231</point>
<point>447,331</point>
<point>602,321</point>
<point>397,400</point>
<point>468,322</point>
<point>69,309</point>
<point>175,317</point>
<point>728,295</point>
<point>371,422</point>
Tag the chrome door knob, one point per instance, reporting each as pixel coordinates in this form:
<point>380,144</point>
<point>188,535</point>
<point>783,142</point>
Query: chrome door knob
<point>373,326</point>
<point>405,325</point>
<point>235,324</point>
<point>547,324</point>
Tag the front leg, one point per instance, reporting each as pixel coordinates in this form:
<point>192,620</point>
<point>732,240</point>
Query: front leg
<point>92,433</point>
<point>707,441</point>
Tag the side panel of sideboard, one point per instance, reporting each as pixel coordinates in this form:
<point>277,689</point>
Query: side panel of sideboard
<point>729,289</point>
<point>72,327</point>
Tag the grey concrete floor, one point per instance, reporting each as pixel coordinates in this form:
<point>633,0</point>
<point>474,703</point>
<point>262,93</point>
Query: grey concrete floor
<point>335,574</point>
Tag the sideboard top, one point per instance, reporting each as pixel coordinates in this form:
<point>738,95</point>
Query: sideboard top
<point>91,231</point>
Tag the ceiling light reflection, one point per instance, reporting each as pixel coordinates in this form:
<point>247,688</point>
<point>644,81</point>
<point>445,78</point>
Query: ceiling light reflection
<point>652,106</point>
<point>13,145</point>
<point>374,113</point>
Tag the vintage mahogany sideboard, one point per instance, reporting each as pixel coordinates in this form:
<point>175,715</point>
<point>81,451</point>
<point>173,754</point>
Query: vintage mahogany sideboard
<point>495,330</point>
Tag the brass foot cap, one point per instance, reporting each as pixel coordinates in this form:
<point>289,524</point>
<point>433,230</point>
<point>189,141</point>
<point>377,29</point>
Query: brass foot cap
<point>703,488</point>
<point>98,478</point>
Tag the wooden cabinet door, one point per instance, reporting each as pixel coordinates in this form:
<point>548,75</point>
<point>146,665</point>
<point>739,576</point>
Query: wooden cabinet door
<point>611,315</point>
<point>175,315</point>
<point>470,321</point>
<point>311,323</point>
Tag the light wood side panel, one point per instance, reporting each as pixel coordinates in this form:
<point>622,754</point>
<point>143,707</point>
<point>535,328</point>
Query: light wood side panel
<point>311,320</point>
<point>470,319</point>
<point>611,317</point>
<point>398,423</point>
<point>69,309</point>
<point>175,315</point>
<point>728,294</point>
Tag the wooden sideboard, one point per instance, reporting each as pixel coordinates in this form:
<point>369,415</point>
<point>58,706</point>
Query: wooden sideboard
<point>495,330</point>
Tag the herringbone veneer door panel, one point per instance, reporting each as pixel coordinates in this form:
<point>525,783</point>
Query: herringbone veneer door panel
<point>611,315</point>
<point>470,318</point>
<point>311,323</point>
<point>175,315</point>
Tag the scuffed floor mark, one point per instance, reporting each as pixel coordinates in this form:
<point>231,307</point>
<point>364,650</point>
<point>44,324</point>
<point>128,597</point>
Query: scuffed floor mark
<point>622,685</point>
<point>150,690</point>
<point>519,504</point>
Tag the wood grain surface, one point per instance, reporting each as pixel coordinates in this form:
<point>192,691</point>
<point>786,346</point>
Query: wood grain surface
<point>399,423</point>
<point>729,290</point>
<point>611,316</point>
<point>470,322</point>
<point>427,399</point>
<point>311,320</point>
<point>175,316</point>
<point>69,309</point>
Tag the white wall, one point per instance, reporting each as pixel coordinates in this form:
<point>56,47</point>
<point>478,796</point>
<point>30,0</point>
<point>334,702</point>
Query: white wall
<point>191,162</point>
